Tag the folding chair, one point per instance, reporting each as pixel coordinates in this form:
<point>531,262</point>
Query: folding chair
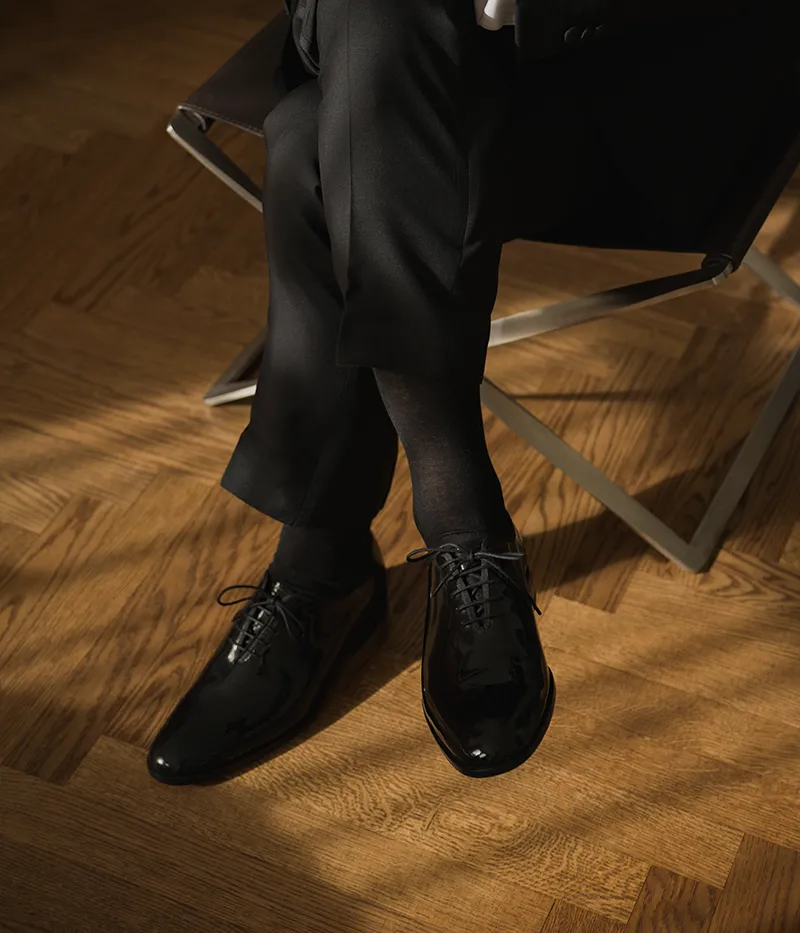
<point>242,93</point>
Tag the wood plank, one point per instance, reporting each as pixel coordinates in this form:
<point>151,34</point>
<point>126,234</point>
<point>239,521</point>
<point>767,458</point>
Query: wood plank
<point>161,74</point>
<point>31,128</point>
<point>41,187</point>
<point>592,417</point>
<point>726,661</point>
<point>29,501</point>
<point>44,892</point>
<point>344,779</point>
<point>627,793</point>
<point>73,409</point>
<point>58,716</point>
<point>45,112</point>
<point>762,894</point>
<point>566,918</point>
<point>177,321</point>
<point>648,828</point>
<point>761,592</point>
<point>104,353</point>
<point>679,718</point>
<point>770,510</point>
<point>682,447</point>
<point>31,455</point>
<point>298,867</point>
<point>31,176</point>
<point>9,148</point>
<point>670,903</point>
<point>598,808</point>
<point>554,516</point>
<point>618,439</point>
<point>69,192</point>
<point>14,542</point>
<point>245,296</point>
<point>157,233</point>
<point>717,794</point>
<point>646,824</point>
<point>40,581</point>
<point>791,553</point>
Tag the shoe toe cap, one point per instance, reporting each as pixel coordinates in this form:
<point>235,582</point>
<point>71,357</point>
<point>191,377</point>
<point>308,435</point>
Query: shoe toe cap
<point>166,764</point>
<point>482,744</point>
<point>185,750</point>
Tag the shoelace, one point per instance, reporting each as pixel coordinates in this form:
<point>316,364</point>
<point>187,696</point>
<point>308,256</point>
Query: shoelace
<point>254,623</point>
<point>462,566</point>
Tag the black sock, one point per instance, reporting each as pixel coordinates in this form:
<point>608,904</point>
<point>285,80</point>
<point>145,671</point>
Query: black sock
<point>456,489</point>
<point>323,558</point>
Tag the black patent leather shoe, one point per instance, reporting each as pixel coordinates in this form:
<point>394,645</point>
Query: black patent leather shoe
<point>267,680</point>
<point>487,692</point>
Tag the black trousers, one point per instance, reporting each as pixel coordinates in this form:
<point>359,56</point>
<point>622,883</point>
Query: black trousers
<point>392,180</point>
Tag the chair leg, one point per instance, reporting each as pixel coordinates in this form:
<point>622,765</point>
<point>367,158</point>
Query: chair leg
<point>230,387</point>
<point>189,136</point>
<point>694,555</point>
<point>565,314</point>
<point>771,274</point>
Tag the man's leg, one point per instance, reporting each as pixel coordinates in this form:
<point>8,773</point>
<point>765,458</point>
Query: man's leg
<point>319,451</point>
<point>413,101</point>
<point>414,96</point>
<point>318,454</point>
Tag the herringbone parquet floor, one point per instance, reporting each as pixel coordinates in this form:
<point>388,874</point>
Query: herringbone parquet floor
<point>665,796</point>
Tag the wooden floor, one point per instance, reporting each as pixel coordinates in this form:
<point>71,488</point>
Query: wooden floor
<point>665,796</point>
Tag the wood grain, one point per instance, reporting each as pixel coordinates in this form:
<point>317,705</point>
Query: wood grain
<point>680,719</point>
<point>566,918</point>
<point>243,859</point>
<point>669,903</point>
<point>439,820</point>
<point>61,696</point>
<point>693,655</point>
<point>791,554</point>
<point>96,902</point>
<point>14,542</point>
<point>762,894</point>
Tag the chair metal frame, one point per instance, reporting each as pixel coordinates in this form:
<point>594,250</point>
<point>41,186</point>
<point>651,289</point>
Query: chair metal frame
<point>189,129</point>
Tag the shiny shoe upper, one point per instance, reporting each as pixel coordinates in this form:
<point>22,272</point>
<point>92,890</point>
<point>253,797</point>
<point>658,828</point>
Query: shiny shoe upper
<point>486,688</point>
<point>283,647</point>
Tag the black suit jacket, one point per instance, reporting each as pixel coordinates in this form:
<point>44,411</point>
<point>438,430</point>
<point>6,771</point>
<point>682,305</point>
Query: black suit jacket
<point>678,91</point>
